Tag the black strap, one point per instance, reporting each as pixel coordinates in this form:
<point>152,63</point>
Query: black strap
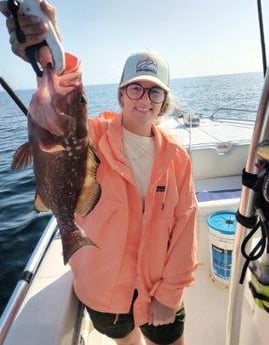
<point>249,180</point>
<point>258,221</point>
<point>248,222</point>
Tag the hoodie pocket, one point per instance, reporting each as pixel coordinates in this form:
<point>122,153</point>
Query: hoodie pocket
<point>102,219</point>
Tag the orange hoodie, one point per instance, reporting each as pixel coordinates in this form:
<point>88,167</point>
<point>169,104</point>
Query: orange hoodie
<point>153,249</point>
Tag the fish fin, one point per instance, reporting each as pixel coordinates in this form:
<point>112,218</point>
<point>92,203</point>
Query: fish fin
<point>74,240</point>
<point>22,157</point>
<point>91,191</point>
<point>39,204</point>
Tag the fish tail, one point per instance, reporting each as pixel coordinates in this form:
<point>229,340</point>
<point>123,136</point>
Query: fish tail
<point>74,240</point>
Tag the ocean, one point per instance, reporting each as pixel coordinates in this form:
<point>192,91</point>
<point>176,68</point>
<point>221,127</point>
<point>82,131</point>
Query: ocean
<point>20,225</point>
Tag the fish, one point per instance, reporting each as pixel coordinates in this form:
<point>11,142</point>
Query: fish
<point>64,160</point>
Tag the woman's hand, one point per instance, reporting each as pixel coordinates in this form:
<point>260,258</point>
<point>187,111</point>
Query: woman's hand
<point>34,30</point>
<point>160,314</point>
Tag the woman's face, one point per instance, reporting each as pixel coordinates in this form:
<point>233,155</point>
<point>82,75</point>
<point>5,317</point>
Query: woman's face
<point>139,114</point>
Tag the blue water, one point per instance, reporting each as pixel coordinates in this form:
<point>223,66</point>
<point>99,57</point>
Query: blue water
<point>20,225</point>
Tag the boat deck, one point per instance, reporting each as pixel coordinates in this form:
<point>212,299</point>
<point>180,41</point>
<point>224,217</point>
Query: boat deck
<point>209,132</point>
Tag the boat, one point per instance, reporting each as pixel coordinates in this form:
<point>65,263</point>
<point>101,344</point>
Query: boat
<point>221,307</point>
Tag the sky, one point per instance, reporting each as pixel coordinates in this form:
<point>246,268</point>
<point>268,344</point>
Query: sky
<point>197,37</point>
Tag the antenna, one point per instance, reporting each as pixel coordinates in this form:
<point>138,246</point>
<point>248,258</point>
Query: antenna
<point>262,37</point>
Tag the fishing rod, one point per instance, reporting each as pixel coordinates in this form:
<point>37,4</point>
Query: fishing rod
<point>264,62</point>
<point>247,206</point>
<point>246,210</point>
<point>13,95</point>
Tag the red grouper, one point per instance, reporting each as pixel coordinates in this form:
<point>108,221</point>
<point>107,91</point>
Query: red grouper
<point>64,161</point>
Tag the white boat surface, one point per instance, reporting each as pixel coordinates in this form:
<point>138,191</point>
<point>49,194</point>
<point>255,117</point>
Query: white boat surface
<point>222,140</point>
<point>44,310</point>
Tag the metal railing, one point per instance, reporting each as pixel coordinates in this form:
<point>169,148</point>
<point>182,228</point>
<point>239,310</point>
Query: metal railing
<point>232,118</point>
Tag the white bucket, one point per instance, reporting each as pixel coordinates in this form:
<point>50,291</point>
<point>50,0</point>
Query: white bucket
<point>222,226</point>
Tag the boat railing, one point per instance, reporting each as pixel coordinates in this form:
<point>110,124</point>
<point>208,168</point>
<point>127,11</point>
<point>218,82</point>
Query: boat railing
<point>224,115</point>
<point>233,114</point>
<point>17,297</point>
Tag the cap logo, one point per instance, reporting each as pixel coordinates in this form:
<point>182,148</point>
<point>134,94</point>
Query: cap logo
<point>147,65</point>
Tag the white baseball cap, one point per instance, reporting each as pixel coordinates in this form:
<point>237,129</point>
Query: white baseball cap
<point>146,65</point>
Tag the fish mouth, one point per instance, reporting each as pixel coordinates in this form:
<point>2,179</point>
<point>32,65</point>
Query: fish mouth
<point>49,65</point>
<point>42,108</point>
<point>61,84</point>
<point>50,105</point>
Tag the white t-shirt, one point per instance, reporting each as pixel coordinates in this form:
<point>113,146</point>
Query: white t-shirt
<point>140,153</point>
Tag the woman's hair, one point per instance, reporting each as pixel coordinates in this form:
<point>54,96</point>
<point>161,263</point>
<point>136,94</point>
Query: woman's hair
<point>169,105</point>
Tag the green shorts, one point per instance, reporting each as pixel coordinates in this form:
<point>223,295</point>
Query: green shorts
<point>119,326</point>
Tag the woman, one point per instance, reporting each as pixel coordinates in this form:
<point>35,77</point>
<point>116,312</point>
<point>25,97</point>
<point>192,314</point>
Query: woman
<point>144,222</point>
